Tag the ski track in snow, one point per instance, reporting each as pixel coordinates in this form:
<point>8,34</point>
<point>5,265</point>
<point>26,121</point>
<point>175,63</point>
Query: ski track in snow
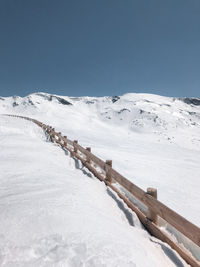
<point>55,213</point>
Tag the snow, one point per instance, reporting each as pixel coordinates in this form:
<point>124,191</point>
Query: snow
<point>55,213</point>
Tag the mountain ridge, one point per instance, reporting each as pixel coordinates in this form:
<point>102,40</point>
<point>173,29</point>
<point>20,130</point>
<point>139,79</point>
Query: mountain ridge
<point>141,113</point>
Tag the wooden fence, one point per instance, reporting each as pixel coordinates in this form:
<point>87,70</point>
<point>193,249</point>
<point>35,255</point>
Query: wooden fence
<point>155,209</point>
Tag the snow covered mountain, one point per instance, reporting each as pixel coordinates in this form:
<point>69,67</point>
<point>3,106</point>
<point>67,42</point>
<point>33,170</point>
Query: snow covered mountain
<point>143,113</point>
<point>137,112</point>
<point>153,141</point>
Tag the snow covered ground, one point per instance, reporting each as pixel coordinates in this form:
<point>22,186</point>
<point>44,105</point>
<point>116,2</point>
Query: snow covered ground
<point>56,214</point>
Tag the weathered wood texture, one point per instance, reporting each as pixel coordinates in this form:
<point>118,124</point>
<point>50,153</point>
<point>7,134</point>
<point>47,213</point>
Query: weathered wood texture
<point>149,198</point>
<point>151,214</point>
<point>108,168</point>
<point>181,224</point>
<point>156,231</point>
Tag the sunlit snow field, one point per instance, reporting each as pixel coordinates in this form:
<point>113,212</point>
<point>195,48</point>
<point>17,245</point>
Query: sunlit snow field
<point>55,213</point>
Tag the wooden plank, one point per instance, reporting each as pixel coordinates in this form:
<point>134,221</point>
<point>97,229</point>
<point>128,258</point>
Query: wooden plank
<point>132,188</point>
<point>87,164</point>
<point>156,231</point>
<point>97,161</point>
<point>180,223</point>
<point>94,171</point>
<point>82,150</point>
<point>93,158</point>
<point>186,255</point>
<point>56,134</point>
<point>68,141</point>
<point>139,213</point>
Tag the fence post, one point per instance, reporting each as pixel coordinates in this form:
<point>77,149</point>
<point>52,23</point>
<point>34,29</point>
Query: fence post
<point>108,171</point>
<point>59,135</point>
<point>65,140</point>
<point>88,157</point>
<point>74,145</point>
<point>151,214</point>
<point>52,136</point>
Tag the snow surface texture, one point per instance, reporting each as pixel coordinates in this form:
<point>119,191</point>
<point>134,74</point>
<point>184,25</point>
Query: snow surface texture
<point>55,213</point>
<point>152,140</point>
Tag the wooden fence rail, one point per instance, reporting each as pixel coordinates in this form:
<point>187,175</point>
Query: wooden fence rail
<point>104,172</point>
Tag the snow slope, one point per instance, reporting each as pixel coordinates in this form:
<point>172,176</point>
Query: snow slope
<point>55,213</point>
<point>152,140</point>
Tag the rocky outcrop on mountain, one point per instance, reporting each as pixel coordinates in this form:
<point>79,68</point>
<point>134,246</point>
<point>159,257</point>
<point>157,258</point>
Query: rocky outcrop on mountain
<point>54,97</point>
<point>191,101</point>
<point>115,99</point>
<point>135,112</point>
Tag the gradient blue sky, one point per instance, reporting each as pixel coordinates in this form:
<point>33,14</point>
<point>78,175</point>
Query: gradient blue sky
<point>100,47</point>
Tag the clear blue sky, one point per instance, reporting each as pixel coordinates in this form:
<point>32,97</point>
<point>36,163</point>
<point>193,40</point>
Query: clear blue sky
<point>100,47</point>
